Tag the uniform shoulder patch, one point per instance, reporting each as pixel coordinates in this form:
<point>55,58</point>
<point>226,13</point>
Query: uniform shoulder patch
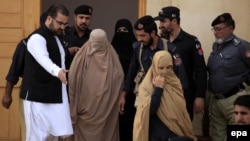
<point>197,43</point>
<point>198,48</point>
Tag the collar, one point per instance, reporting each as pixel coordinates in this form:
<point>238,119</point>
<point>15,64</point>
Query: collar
<point>229,38</point>
<point>47,30</point>
<point>159,44</point>
<point>180,35</point>
<point>86,33</point>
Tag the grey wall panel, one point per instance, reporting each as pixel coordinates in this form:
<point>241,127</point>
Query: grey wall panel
<point>105,12</point>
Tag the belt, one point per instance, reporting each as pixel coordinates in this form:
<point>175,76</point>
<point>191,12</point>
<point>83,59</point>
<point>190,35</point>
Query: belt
<point>233,91</point>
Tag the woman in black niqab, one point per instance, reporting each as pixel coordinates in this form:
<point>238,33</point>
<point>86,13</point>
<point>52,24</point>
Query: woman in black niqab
<point>123,44</point>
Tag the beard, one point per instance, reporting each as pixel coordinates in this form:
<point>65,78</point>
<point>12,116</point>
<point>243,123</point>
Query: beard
<point>219,41</point>
<point>150,42</point>
<point>165,33</point>
<point>81,27</point>
<point>54,31</point>
<point>58,32</point>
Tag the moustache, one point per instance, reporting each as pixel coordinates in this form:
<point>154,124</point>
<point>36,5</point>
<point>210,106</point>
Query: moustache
<point>83,24</point>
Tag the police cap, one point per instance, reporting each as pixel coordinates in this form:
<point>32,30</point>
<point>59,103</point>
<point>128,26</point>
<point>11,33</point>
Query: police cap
<point>168,12</point>
<point>224,18</point>
<point>145,23</point>
<point>84,9</point>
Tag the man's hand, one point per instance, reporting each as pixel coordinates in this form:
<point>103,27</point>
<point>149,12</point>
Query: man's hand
<point>62,76</point>
<point>198,105</point>
<point>73,50</point>
<point>7,98</point>
<point>6,101</point>
<point>121,102</point>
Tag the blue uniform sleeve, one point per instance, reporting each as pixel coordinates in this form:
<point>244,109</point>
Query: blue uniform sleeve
<point>200,70</point>
<point>245,52</point>
<point>155,100</point>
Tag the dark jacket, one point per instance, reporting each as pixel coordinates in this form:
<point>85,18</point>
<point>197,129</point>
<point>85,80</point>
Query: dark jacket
<point>17,65</point>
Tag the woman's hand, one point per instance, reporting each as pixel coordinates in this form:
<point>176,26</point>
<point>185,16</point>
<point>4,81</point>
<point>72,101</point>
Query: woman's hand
<point>158,81</point>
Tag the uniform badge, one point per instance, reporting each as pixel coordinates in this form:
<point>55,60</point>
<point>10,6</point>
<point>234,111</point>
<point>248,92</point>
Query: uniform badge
<point>199,49</point>
<point>173,15</point>
<point>177,60</point>
<point>198,46</point>
<point>90,11</point>
<point>247,53</point>
<point>140,26</point>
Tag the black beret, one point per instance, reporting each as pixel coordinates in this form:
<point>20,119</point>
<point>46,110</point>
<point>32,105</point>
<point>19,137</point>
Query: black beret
<point>84,9</point>
<point>224,18</point>
<point>168,12</point>
<point>144,22</point>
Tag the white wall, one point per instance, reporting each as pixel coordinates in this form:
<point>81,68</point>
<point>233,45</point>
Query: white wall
<point>197,15</point>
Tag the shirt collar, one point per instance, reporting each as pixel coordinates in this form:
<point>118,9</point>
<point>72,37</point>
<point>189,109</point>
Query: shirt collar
<point>86,34</point>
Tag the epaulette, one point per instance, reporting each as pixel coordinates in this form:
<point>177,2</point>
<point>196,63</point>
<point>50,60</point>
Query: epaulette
<point>197,43</point>
<point>191,36</point>
<point>236,41</point>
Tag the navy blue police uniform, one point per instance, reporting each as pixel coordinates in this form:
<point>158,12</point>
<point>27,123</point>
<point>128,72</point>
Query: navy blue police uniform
<point>191,53</point>
<point>72,39</point>
<point>229,66</point>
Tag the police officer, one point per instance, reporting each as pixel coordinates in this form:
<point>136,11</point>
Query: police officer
<point>190,51</point>
<point>148,43</point>
<point>78,34</point>
<point>228,67</point>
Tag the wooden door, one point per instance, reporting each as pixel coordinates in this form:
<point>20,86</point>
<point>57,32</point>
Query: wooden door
<point>18,18</point>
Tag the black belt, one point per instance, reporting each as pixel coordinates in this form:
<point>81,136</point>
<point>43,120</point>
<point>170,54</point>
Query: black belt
<point>233,91</point>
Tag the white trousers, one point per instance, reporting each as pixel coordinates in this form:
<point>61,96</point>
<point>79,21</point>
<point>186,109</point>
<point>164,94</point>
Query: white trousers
<point>35,128</point>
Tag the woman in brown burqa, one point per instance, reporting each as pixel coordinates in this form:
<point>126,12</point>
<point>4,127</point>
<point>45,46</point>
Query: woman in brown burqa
<point>95,81</point>
<point>161,109</point>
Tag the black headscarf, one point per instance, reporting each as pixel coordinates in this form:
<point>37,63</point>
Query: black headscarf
<point>122,42</point>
